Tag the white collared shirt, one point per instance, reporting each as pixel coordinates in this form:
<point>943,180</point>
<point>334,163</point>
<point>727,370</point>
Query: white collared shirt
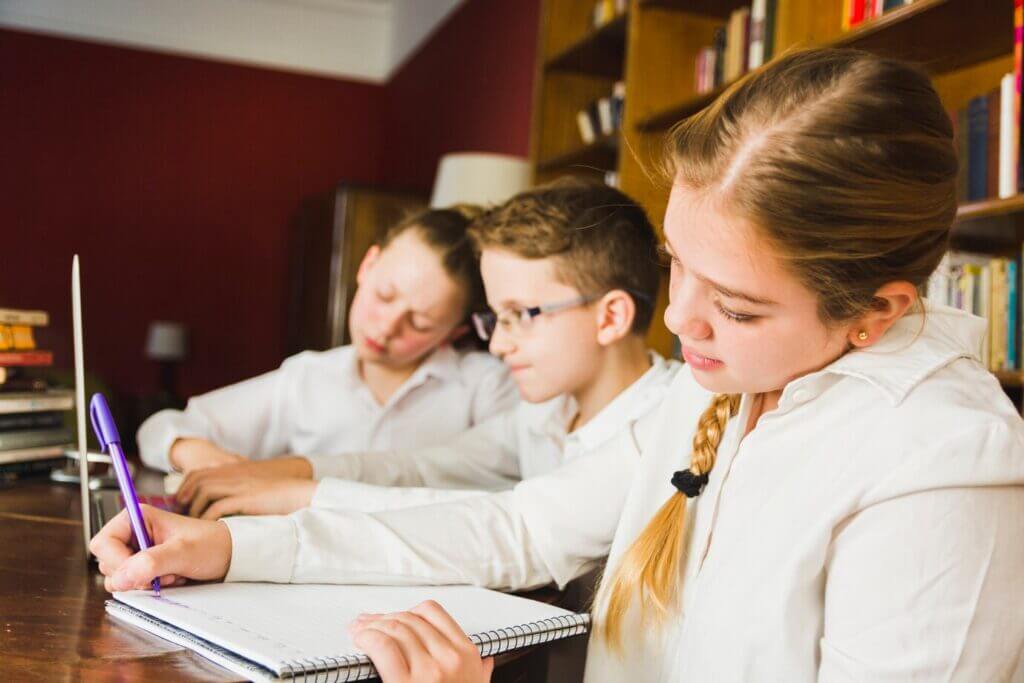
<point>572,491</point>
<point>522,443</point>
<point>317,402</point>
<point>871,528</point>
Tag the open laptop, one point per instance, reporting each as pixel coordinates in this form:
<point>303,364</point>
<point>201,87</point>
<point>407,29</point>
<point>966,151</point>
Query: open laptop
<point>99,504</point>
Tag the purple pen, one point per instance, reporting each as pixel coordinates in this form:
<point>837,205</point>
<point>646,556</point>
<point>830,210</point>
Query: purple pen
<point>110,442</point>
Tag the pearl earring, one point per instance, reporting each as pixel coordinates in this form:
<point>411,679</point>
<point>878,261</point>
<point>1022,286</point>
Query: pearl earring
<point>862,335</point>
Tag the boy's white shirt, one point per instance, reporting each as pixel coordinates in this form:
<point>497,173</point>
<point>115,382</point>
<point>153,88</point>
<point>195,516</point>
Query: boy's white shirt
<point>522,443</point>
<point>554,525</point>
<point>317,402</point>
<point>870,528</point>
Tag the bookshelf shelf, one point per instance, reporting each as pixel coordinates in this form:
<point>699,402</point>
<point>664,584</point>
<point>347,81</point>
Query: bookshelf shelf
<point>922,32</point>
<point>990,207</point>
<point>602,153</point>
<point>1010,378</point>
<point>941,35</point>
<point>711,8</point>
<point>600,53</point>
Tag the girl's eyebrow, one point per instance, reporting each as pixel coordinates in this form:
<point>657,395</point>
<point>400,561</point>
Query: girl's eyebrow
<point>722,289</point>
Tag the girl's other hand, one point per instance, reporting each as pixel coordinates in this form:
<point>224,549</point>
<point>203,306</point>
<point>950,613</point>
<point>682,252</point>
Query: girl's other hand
<point>423,645</point>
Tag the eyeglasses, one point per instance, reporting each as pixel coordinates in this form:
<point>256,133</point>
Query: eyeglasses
<point>515,321</point>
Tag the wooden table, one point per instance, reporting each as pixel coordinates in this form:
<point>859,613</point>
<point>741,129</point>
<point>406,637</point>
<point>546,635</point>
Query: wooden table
<point>52,604</point>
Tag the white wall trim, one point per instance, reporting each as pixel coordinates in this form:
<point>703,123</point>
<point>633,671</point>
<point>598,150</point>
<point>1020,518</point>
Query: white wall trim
<point>362,40</point>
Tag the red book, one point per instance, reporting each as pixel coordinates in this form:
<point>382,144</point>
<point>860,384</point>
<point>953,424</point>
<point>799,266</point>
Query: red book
<point>856,14</point>
<point>26,358</point>
<point>1018,36</point>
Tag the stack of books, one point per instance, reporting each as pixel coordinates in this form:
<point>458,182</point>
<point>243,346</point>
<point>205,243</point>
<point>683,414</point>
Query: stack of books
<point>987,287</point>
<point>858,11</point>
<point>745,43</point>
<point>602,117</point>
<point>33,435</point>
<point>986,133</point>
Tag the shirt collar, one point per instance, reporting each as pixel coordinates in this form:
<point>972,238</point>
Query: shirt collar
<point>442,364</point>
<point>912,349</point>
<point>628,405</point>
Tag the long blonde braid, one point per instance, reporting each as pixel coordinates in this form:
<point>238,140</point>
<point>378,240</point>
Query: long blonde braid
<point>652,563</point>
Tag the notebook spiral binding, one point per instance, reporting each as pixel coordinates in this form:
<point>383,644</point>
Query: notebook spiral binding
<point>490,643</point>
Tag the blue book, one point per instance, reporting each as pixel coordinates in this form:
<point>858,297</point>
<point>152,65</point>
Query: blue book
<point>1011,317</point>
<point>977,148</point>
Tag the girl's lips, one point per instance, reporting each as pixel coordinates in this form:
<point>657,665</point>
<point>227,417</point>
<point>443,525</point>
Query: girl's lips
<point>517,368</point>
<point>699,362</point>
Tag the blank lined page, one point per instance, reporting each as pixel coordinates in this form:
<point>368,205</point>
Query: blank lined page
<point>277,623</point>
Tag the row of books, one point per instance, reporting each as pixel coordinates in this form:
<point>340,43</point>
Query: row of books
<point>602,116</point>
<point>987,287</point>
<point>986,133</point>
<point>746,42</point>
<point>33,431</point>
<point>858,11</point>
<point>606,10</point>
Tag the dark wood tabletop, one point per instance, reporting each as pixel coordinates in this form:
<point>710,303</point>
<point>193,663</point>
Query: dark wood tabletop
<point>54,627</point>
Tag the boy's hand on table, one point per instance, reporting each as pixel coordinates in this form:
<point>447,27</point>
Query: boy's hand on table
<point>423,644</point>
<point>221,497</point>
<point>183,548</point>
<point>290,467</point>
<point>188,455</point>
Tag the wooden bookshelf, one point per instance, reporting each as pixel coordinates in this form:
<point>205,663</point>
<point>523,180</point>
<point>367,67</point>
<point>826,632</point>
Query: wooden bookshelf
<point>1010,378</point>
<point>922,32</point>
<point>989,208</point>
<point>711,8</point>
<point>966,44</point>
<point>601,154</point>
<point>600,52</point>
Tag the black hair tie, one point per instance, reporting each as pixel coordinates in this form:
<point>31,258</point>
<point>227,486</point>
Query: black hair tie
<point>688,483</point>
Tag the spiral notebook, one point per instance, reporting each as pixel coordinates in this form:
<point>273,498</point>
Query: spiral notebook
<point>269,632</point>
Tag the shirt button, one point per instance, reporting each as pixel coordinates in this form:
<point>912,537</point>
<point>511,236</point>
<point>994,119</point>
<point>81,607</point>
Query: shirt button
<point>801,396</point>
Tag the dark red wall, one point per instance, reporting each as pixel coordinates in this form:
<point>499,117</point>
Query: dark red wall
<point>469,88</point>
<point>175,178</point>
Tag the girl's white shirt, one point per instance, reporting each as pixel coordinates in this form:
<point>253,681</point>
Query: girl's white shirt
<point>317,402</point>
<point>869,529</point>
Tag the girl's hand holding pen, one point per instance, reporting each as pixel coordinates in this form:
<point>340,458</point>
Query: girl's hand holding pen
<point>183,548</point>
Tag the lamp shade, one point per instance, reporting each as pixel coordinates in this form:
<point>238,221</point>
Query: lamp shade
<point>166,341</point>
<point>478,178</point>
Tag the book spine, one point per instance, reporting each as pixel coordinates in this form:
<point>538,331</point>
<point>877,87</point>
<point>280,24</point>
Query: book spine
<point>963,154</point>
<point>10,441</point>
<point>585,126</point>
<point>47,420</point>
<point>769,30</point>
<point>1007,138</point>
<point>26,358</point>
<point>756,57</point>
<point>1012,304</point>
<point>977,163</point>
<point>34,403</point>
<point>14,471</point>
<point>28,454</point>
<point>1018,59</point>
<point>10,316</point>
<point>992,145</point>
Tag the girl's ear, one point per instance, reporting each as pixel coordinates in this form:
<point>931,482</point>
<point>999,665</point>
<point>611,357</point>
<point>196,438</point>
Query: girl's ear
<point>893,300</point>
<point>616,311</point>
<point>370,258</point>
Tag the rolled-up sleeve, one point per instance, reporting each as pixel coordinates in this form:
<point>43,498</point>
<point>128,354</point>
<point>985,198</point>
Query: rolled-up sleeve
<point>483,457</point>
<point>550,528</point>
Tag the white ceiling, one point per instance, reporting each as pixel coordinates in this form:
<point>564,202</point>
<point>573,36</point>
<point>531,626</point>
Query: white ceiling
<point>366,40</point>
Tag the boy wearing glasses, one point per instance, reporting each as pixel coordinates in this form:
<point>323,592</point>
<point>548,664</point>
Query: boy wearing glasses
<point>570,272</point>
